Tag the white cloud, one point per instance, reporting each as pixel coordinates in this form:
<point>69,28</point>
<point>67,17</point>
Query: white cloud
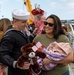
<point>70,4</point>
<point>4,0</point>
<point>20,0</point>
<point>53,4</point>
<point>71,11</point>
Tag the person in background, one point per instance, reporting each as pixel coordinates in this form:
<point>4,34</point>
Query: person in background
<point>30,34</point>
<point>54,32</point>
<point>68,34</point>
<point>12,40</point>
<point>71,38</point>
<point>4,24</point>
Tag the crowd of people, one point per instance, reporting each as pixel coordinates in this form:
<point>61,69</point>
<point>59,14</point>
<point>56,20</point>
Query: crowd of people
<point>18,34</point>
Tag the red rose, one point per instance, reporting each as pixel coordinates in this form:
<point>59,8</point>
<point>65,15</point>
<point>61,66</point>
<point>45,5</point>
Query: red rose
<point>37,11</point>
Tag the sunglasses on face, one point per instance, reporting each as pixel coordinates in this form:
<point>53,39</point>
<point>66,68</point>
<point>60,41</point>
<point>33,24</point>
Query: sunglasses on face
<point>50,24</point>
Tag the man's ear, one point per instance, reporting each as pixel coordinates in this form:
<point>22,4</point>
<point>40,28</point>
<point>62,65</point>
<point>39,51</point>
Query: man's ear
<point>15,20</point>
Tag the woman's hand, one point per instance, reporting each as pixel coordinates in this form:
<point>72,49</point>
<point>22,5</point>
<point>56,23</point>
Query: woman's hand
<point>35,31</point>
<point>25,66</point>
<point>46,61</point>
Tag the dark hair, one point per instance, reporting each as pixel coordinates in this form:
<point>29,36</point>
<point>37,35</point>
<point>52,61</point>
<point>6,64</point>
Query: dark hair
<point>58,30</point>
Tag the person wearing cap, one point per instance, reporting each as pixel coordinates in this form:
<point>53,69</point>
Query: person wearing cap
<point>12,41</point>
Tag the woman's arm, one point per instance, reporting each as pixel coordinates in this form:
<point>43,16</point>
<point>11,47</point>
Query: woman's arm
<point>67,59</point>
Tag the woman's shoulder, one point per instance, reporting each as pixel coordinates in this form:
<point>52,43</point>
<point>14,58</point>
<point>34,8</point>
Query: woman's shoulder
<point>41,35</point>
<point>38,37</point>
<point>63,38</point>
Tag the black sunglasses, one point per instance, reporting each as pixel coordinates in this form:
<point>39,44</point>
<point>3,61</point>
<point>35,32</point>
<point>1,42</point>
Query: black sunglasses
<point>50,24</point>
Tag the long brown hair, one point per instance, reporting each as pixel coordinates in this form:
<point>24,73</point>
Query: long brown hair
<point>4,24</point>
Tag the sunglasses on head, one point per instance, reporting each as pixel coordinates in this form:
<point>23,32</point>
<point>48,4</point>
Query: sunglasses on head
<point>50,24</point>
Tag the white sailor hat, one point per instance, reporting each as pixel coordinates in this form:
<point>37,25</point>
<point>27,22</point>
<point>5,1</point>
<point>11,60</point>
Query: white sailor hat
<point>20,14</point>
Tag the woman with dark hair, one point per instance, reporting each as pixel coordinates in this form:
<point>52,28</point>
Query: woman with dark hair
<point>54,32</point>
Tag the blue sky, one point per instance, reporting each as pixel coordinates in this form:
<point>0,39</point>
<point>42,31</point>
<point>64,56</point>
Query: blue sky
<point>62,8</point>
